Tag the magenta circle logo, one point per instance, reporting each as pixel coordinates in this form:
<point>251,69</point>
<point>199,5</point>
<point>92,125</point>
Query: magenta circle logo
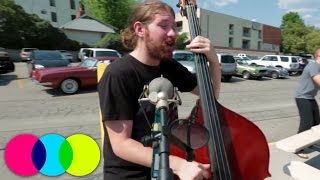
<point>52,155</point>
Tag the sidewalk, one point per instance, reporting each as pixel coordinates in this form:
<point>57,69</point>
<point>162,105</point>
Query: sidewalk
<point>279,161</point>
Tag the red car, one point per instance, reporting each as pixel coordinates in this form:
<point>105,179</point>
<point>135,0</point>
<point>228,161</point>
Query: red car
<point>71,78</point>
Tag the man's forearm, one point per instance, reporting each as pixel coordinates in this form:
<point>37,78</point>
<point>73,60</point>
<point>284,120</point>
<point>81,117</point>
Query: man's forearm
<point>133,151</point>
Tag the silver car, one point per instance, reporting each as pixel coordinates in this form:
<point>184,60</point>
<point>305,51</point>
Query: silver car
<point>228,66</point>
<point>228,63</point>
<point>186,58</point>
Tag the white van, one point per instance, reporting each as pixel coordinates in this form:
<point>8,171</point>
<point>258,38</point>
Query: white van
<point>290,63</point>
<point>99,53</point>
<point>80,54</point>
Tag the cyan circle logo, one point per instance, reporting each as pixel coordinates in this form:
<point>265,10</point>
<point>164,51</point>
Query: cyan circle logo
<point>52,155</point>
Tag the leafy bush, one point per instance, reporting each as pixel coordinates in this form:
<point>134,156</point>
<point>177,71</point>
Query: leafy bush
<point>19,29</point>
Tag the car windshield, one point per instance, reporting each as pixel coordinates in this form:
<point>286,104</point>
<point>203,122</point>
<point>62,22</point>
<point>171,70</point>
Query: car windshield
<point>183,57</point>
<point>48,55</point>
<point>246,58</point>
<point>107,53</point>
<point>242,62</point>
<point>253,57</point>
<point>88,63</point>
<point>227,59</point>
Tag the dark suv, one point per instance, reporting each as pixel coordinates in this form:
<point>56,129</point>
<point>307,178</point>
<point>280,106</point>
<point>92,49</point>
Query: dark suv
<point>6,65</point>
<point>44,59</point>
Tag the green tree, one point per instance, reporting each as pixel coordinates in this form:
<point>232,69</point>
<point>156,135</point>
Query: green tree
<point>313,40</point>
<point>112,41</point>
<point>293,33</point>
<point>13,24</point>
<point>181,41</point>
<point>113,12</point>
<point>19,29</point>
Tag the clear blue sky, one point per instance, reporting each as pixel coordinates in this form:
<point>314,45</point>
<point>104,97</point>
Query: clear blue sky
<point>268,12</point>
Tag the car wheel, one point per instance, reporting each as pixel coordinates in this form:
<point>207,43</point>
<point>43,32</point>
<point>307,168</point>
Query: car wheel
<point>259,77</point>
<point>227,78</point>
<point>293,73</point>
<point>69,86</point>
<point>246,75</point>
<point>275,75</point>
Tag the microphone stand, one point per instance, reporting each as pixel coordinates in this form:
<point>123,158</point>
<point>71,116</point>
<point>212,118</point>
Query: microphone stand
<point>159,137</point>
<point>165,172</point>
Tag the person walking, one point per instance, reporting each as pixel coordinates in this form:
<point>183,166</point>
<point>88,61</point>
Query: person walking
<point>307,89</point>
<point>151,34</point>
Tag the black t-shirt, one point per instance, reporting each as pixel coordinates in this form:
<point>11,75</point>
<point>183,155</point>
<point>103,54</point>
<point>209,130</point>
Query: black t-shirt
<point>119,90</point>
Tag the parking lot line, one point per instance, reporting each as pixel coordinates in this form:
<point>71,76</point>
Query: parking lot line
<point>20,82</point>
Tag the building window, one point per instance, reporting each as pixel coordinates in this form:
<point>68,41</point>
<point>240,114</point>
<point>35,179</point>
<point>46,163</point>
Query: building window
<point>179,26</point>
<point>43,11</point>
<point>72,4</point>
<point>53,3</point>
<point>231,26</point>
<point>259,34</point>
<point>246,32</point>
<point>230,42</point>
<point>245,44</point>
<point>73,17</point>
<point>53,16</point>
<point>259,45</point>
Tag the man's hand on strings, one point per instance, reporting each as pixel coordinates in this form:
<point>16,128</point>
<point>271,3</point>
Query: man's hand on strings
<point>203,45</point>
<point>193,171</point>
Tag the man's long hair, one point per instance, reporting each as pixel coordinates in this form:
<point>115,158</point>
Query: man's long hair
<point>143,13</point>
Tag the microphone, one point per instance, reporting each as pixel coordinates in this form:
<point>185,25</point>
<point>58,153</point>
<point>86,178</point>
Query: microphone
<point>160,89</point>
<point>160,92</point>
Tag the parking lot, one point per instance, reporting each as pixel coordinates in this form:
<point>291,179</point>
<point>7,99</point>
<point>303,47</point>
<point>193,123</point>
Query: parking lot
<point>28,108</point>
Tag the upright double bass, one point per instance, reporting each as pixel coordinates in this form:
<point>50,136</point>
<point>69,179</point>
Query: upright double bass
<point>237,149</point>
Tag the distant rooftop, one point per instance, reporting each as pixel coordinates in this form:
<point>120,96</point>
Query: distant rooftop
<point>87,23</point>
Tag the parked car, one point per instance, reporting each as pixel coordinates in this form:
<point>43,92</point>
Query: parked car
<point>99,53</point>
<point>6,65</point>
<point>288,62</point>
<point>311,60</point>
<point>242,57</point>
<point>40,59</point>
<point>4,55</point>
<point>302,63</point>
<point>68,55</point>
<point>228,66</point>
<point>247,71</point>
<point>228,63</point>
<point>276,72</point>
<point>307,56</point>
<point>25,53</point>
<point>186,58</point>
<point>70,79</point>
<point>80,54</point>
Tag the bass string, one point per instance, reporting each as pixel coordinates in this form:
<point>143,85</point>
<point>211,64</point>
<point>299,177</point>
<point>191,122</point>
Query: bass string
<point>222,166</point>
